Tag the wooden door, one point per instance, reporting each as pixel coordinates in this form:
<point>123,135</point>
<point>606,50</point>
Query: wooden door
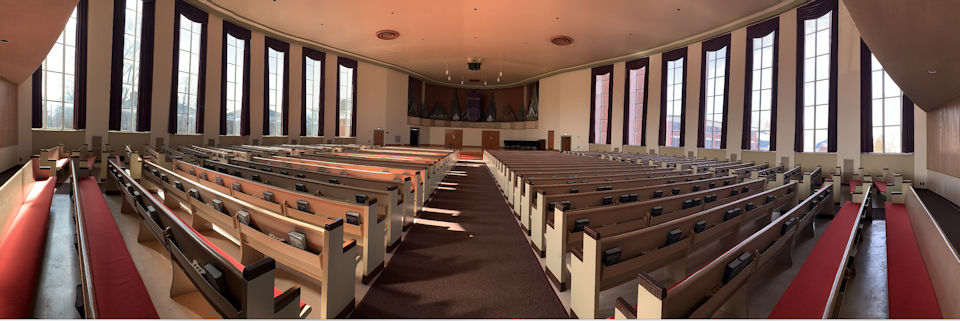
<point>549,140</point>
<point>565,143</point>
<point>491,139</point>
<point>453,138</point>
<point>378,137</point>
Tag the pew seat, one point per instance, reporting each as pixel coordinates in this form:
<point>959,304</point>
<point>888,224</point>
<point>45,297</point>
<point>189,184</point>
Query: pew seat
<point>115,283</point>
<point>21,250</point>
<point>809,294</point>
<point>910,292</point>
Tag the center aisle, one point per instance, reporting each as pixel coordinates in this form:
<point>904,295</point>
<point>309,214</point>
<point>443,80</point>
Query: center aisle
<point>465,257</point>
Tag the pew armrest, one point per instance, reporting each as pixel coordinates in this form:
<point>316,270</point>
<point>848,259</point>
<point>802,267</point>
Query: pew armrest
<point>623,310</point>
<point>288,297</point>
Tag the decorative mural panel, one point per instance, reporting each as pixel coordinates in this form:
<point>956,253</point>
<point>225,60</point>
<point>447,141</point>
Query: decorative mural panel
<point>473,105</point>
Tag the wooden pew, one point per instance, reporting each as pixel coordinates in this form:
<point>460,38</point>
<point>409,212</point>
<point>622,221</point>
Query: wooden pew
<point>388,202</point>
<point>241,290</point>
<point>418,178</point>
<point>938,253</point>
<point>104,260</point>
<point>645,189</point>
<point>811,181</point>
<point>416,188</point>
<point>25,201</point>
<point>794,174</point>
<point>702,293</point>
<point>910,293</point>
<point>681,245</point>
<point>433,174</point>
<point>566,227</point>
<point>57,160</point>
<point>362,221</point>
<point>406,200</point>
<point>817,290</point>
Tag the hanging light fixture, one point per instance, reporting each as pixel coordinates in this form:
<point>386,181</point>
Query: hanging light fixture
<point>461,79</point>
<point>446,69</point>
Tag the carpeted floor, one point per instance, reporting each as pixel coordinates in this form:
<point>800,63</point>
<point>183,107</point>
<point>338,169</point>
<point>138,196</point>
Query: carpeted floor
<point>464,258</point>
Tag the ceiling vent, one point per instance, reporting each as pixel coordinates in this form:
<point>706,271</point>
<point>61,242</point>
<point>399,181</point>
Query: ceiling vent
<point>388,34</point>
<point>561,40</point>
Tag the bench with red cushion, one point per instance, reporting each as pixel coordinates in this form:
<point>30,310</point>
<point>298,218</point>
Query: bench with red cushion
<point>910,292</point>
<point>809,292</point>
<point>21,252</point>
<point>116,283</point>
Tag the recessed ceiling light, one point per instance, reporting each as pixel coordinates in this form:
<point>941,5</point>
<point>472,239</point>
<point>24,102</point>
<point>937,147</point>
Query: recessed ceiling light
<point>4,40</point>
<point>561,40</point>
<point>931,71</point>
<point>388,34</point>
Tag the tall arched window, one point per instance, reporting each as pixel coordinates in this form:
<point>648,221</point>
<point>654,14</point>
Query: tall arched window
<point>132,65</point>
<point>346,98</point>
<point>673,98</point>
<point>714,84</point>
<point>817,77</point>
<point>635,102</point>
<point>601,84</point>
<point>235,81</point>
<point>59,89</point>
<point>311,123</point>
<point>760,100</point>
<point>886,114</point>
<point>189,71</point>
<point>275,83</point>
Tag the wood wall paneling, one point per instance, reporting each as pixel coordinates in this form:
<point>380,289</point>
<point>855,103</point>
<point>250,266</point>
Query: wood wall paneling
<point>8,113</point>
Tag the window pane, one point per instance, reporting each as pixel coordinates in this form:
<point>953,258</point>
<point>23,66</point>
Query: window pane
<point>878,139</point>
<point>891,139</point>
<point>892,109</point>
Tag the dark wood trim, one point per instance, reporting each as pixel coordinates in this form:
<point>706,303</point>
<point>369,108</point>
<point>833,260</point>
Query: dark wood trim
<point>652,285</point>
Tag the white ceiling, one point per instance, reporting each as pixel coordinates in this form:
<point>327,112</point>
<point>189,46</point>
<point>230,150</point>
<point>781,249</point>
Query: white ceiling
<point>30,28</point>
<point>512,34</point>
<point>910,38</point>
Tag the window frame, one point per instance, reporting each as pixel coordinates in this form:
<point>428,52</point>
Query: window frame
<point>630,66</point>
<point>349,63</point>
<point>715,44</point>
<point>79,120</point>
<point>145,68</point>
<point>279,46</point>
<point>810,11</point>
<point>598,71</point>
<point>321,57</point>
<point>673,55</point>
<point>758,31</point>
<point>181,8</point>
<point>240,33</point>
<point>866,109</point>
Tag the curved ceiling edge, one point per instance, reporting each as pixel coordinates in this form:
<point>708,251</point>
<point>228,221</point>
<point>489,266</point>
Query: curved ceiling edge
<point>762,15</point>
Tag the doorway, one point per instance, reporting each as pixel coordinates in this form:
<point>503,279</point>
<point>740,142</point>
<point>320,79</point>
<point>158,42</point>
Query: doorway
<point>491,140</point>
<point>549,140</point>
<point>378,137</point>
<point>414,136</point>
<point>453,138</point>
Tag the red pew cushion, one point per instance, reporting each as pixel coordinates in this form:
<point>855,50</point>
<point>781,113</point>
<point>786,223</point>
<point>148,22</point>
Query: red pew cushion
<point>119,290</point>
<point>21,252</point>
<point>807,295</point>
<point>853,183</point>
<point>881,186</point>
<point>91,160</point>
<point>910,292</point>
